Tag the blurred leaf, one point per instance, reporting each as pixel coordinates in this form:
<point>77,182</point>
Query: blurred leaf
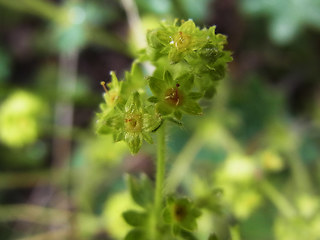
<point>213,237</point>
<point>287,17</point>
<point>141,190</point>
<point>155,6</point>
<point>135,218</point>
<point>197,10</point>
<point>135,234</point>
<point>4,65</point>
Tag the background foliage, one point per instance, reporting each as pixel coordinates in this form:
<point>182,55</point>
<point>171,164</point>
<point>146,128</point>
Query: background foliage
<point>253,157</point>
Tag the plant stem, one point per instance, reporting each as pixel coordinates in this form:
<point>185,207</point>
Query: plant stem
<point>183,162</point>
<point>160,168</point>
<point>280,202</point>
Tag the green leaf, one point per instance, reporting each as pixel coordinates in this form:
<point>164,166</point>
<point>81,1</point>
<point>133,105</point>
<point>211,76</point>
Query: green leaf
<point>135,234</point>
<point>213,236</point>
<point>219,72</point>
<point>187,235</point>
<point>135,218</point>
<point>195,95</point>
<point>153,99</point>
<point>178,115</point>
<point>176,230</point>
<point>210,92</point>
<point>166,215</point>
<point>141,190</point>
<point>157,86</point>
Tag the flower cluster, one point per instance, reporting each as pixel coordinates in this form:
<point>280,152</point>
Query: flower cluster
<point>186,49</point>
<point>188,63</point>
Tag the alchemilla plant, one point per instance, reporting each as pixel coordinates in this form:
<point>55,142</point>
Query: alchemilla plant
<point>189,62</point>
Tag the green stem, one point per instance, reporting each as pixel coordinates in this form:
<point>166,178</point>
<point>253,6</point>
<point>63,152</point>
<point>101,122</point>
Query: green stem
<point>299,173</point>
<point>280,202</point>
<point>160,168</point>
<point>183,162</point>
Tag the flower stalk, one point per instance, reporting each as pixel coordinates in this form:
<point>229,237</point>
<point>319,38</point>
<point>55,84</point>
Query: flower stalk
<point>160,168</point>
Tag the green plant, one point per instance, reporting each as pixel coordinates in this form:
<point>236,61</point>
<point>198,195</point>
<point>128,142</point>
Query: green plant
<point>189,62</point>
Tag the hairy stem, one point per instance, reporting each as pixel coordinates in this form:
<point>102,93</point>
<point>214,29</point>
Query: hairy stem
<point>160,168</point>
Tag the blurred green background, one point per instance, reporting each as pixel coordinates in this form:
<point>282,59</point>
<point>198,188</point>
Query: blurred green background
<point>259,140</point>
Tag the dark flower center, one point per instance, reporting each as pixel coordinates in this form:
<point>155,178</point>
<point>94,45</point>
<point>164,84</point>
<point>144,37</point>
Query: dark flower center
<point>133,123</point>
<point>180,212</point>
<point>173,96</point>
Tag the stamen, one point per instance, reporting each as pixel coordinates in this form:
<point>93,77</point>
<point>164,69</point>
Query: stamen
<point>103,84</point>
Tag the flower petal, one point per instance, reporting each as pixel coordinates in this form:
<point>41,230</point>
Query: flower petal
<point>157,86</point>
<point>134,142</point>
<point>191,107</point>
<point>163,108</point>
<point>147,137</point>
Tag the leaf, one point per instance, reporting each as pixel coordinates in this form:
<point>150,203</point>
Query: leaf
<point>213,236</point>
<point>166,215</point>
<point>210,92</point>
<point>178,115</point>
<point>176,230</point>
<point>141,190</point>
<point>135,218</point>
<point>135,234</point>
<point>153,99</point>
<point>195,95</point>
<point>187,235</point>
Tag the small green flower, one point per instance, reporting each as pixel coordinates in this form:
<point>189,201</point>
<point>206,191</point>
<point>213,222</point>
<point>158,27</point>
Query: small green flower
<point>174,96</point>
<point>181,213</point>
<point>133,123</point>
<point>190,50</point>
<point>112,96</point>
<point>176,41</point>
